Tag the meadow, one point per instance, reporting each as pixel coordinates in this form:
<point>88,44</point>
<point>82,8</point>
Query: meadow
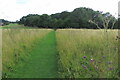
<point>0,53</point>
<point>80,53</point>
<point>87,53</point>
<point>16,46</point>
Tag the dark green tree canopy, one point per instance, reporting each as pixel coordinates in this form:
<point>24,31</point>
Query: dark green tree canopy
<point>78,18</point>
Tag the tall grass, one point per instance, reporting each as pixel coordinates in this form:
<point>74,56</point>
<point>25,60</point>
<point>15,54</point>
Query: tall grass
<point>0,53</point>
<point>87,53</point>
<point>16,46</point>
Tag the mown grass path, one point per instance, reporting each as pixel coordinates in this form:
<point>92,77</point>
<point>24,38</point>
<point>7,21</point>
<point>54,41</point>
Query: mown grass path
<point>43,60</point>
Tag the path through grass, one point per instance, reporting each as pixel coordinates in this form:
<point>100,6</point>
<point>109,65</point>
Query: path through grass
<point>42,62</point>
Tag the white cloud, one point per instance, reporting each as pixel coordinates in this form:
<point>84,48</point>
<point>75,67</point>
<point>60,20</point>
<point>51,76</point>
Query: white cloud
<point>14,9</point>
<point>22,1</point>
<point>119,8</point>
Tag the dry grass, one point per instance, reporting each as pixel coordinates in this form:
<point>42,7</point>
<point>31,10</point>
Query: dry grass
<point>0,53</point>
<point>17,44</point>
<point>87,53</point>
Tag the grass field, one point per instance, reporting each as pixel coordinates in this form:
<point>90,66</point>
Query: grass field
<point>87,53</point>
<point>0,53</point>
<point>65,53</point>
<point>41,63</point>
<point>16,46</point>
<point>15,26</point>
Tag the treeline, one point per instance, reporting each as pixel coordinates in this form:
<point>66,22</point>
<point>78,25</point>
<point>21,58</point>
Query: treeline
<point>4,22</point>
<point>78,18</point>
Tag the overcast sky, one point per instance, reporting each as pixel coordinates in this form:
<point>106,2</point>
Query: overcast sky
<point>14,9</point>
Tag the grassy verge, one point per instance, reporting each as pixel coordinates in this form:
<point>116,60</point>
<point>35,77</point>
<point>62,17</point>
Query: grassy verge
<point>42,62</point>
<point>87,53</point>
<point>16,46</point>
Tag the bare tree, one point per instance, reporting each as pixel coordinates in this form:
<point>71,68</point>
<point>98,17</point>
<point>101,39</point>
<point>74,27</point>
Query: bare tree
<point>106,19</point>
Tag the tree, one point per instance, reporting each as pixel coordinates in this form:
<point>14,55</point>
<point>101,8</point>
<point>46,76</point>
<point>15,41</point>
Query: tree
<point>106,19</point>
<point>79,18</point>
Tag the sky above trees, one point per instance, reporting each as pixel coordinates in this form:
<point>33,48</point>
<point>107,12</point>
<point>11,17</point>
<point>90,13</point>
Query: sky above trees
<point>14,9</point>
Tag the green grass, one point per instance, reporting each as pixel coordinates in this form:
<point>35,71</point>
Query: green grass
<point>11,25</point>
<point>66,53</point>
<point>15,26</point>
<point>42,62</point>
<point>17,45</point>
